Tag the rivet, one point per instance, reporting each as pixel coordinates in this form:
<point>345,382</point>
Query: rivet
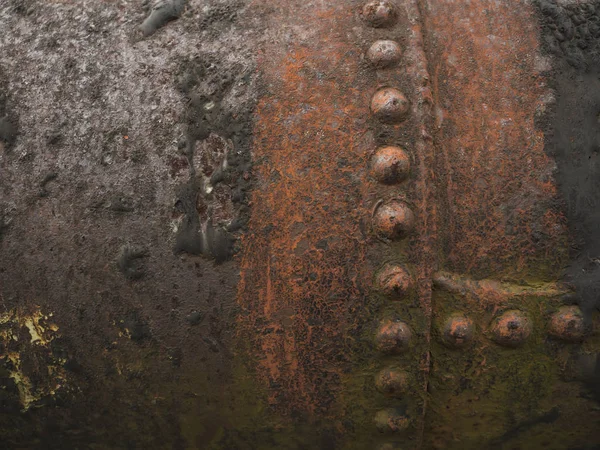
<point>393,220</point>
<point>379,14</point>
<point>457,330</point>
<point>391,420</point>
<point>568,324</point>
<point>392,382</point>
<point>384,54</point>
<point>390,165</point>
<point>393,336</point>
<point>511,329</point>
<point>394,281</point>
<point>389,105</point>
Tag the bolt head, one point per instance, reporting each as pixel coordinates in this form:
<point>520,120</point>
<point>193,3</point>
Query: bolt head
<point>457,330</point>
<point>568,324</point>
<point>390,106</point>
<point>393,337</point>
<point>390,165</point>
<point>384,54</point>
<point>394,281</point>
<point>393,220</point>
<point>380,14</point>
<point>511,329</point>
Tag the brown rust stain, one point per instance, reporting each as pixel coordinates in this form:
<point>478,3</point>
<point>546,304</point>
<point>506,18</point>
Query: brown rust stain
<point>502,215</point>
<point>303,273</point>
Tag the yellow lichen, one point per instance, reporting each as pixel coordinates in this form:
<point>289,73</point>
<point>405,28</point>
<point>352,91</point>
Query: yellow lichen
<point>41,336</point>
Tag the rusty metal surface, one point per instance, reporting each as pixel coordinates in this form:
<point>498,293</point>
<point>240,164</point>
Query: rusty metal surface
<point>319,219</point>
<point>500,203</point>
<point>303,272</point>
<point>513,385</point>
<point>301,224</point>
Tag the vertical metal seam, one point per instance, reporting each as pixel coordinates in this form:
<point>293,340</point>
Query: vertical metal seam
<point>423,186</point>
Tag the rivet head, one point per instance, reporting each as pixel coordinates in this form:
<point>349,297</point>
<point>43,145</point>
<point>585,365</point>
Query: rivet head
<point>391,420</point>
<point>393,337</point>
<point>379,14</point>
<point>457,330</point>
<point>393,220</point>
<point>392,382</point>
<point>390,106</point>
<point>384,54</point>
<point>394,281</point>
<point>390,165</point>
<point>568,324</point>
<point>511,329</point>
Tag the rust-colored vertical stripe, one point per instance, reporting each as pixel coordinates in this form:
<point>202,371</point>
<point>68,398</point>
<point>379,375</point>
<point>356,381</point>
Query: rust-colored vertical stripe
<point>492,165</point>
<point>302,258</point>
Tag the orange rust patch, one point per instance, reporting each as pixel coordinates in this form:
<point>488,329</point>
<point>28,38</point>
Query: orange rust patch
<point>501,198</point>
<point>303,274</point>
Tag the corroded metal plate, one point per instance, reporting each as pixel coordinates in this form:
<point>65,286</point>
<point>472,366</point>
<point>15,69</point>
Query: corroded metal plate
<point>302,224</point>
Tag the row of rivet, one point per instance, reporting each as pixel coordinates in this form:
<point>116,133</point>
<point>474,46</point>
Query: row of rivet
<point>392,220</point>
<point>389,165</point>
<point>510,329</point>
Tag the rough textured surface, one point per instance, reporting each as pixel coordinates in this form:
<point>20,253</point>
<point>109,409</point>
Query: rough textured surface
<point>308,309</point>
<point>500,209</point>
<point>501,216</point>
<point>304,275</point>
<point>187,251</point>
<point>109,145</point>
